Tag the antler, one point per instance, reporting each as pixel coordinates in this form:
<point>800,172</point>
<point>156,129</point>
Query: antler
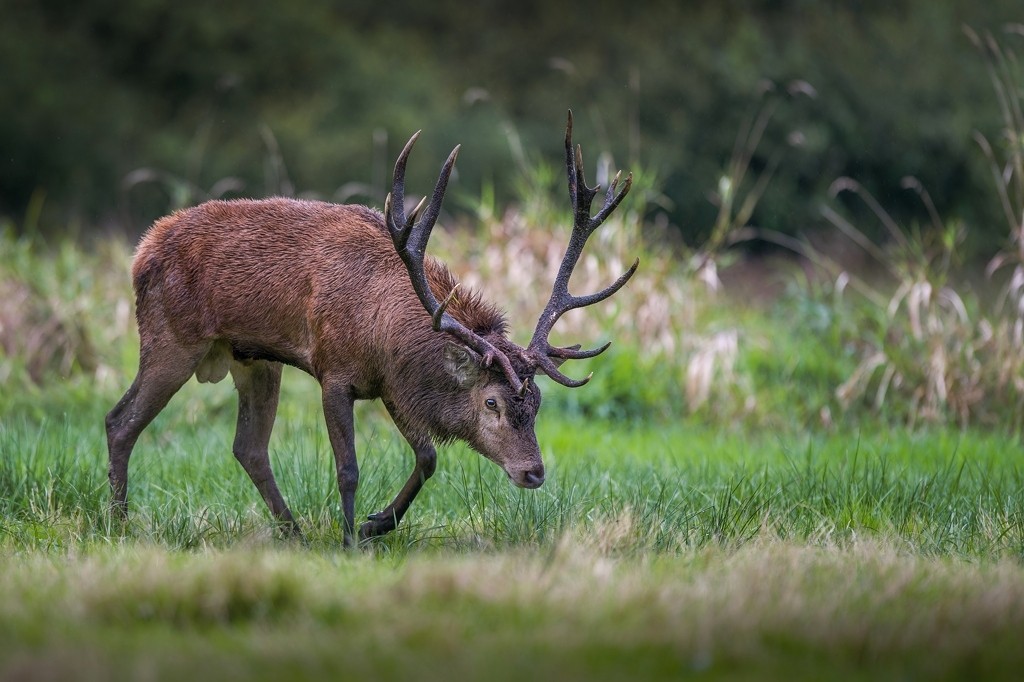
<point>561,301</point>
<point>410,236</point>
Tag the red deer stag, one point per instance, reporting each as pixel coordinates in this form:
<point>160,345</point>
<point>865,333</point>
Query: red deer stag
<point>347,295</point>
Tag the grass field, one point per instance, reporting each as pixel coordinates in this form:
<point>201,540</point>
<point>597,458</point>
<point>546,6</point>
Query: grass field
<point>825,485</point>
<point>651,553</point>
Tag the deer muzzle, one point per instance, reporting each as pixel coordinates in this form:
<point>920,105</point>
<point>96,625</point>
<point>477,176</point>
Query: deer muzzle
<point>528,478</point>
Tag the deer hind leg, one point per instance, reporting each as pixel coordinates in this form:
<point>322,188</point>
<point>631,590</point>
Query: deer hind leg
<point>164,367</point>
<point>388,518</point>
<point>259,384</point>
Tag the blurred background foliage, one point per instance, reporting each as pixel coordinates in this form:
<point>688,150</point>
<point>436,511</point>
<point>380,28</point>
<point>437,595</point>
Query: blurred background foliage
<point>113,113</point>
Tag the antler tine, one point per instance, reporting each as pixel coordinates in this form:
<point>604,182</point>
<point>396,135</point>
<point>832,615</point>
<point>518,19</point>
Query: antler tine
<point>574,353</point>
<point>410,237</point>
<point>597,297</point>
<point>611,199</point>
<point>579,194</point>
<point>398,226</point>
<point>416,212</point>
<point>548,366</point>
<point>425,222</point>
<point>561,300</point>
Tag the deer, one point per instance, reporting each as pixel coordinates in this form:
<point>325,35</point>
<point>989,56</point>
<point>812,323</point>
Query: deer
<point>347,294</point>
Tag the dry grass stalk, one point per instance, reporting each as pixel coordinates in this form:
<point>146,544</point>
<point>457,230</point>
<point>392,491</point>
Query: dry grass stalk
<point>36,334</point>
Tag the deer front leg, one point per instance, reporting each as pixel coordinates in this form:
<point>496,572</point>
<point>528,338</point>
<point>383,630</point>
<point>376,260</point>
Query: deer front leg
<point>338,400</point>
<point>388,518</point>
<point>423,450</point>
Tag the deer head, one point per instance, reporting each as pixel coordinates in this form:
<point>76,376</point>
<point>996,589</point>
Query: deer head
<point>496,373</point>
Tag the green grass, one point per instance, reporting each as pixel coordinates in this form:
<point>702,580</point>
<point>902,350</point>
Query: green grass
<point>680,487</point>
<point>654,551</point>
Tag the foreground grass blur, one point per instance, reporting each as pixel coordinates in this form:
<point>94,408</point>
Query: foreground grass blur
<point>770,610</point>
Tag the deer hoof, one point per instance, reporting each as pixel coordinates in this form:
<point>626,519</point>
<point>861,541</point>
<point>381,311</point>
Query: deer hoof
<point>291,531</point>
<point>379,524</point>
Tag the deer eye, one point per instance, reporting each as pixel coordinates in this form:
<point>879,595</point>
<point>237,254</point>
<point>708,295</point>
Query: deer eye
<point>491,404</point>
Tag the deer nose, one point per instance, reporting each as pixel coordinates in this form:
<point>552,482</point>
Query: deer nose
<point>534,478</point>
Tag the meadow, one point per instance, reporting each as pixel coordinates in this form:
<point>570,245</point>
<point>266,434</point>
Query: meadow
<point>791,466</point>
<point>745,490</point>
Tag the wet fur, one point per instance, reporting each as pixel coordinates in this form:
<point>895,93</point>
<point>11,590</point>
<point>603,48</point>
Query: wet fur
<point>245,286</point>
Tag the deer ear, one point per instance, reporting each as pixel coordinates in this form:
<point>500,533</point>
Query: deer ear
<point>462,364</point>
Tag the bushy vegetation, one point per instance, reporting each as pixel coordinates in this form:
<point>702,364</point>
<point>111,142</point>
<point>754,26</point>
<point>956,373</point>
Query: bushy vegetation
<point>112,114</point>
